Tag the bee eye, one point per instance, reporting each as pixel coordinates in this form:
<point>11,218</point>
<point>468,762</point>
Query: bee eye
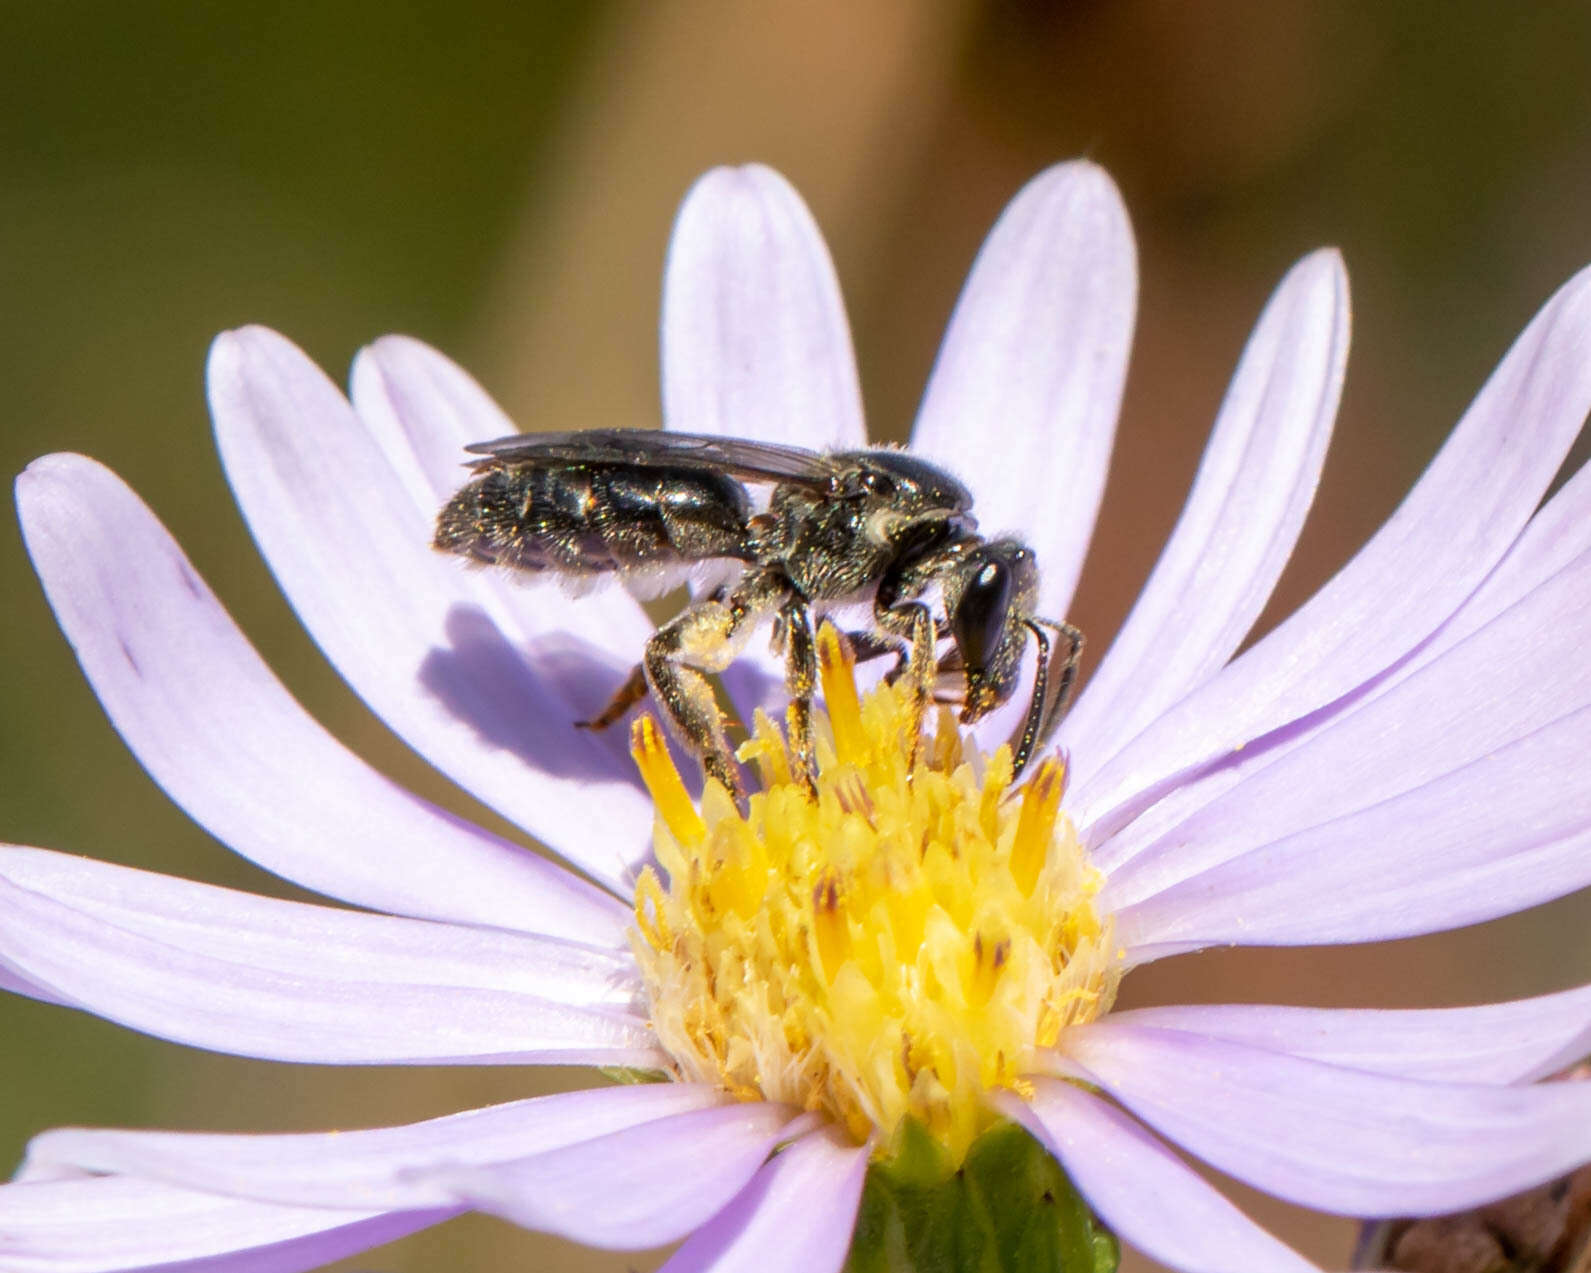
<point>877,483</point>
<point>979,621</point>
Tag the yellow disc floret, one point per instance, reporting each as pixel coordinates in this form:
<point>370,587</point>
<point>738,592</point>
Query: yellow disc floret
<point>896,944</point>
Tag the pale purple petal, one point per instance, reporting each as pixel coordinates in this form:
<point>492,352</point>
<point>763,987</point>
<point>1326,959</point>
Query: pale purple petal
<point>1023,399</point>
<point>423,410</point>
<point>1142,1190</point>
<point>755,342</point>
<point>1451,530</point>
<point>1558,533</point>
<point>225,739</point>
<point>319,1012</point>
<point>1554,543</point>
<point>1423,733</point>
<point>1511,1042</point>
<point>13,982</point>
<point>414,631</point>
<point>1551,543</point>
<point>110,1224</point>
<point>388,1168</point>
<point>1333,1138</point>
<point>1507,831</point>
<point>292,937</point>
<point>636,1188</point>
<point>1254,486</point>
<point>796,1216</point>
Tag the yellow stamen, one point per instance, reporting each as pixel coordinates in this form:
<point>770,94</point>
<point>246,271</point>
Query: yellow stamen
<point>663,781</point>
<point>831,926</point>
<point>896,944</point>
<point>1041,803</point>
<point>837,672</point>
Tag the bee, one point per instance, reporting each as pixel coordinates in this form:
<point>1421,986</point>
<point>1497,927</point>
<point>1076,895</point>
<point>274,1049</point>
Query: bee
<point>878,525</point>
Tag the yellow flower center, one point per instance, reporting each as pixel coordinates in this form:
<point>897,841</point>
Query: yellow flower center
<point>898,945</point>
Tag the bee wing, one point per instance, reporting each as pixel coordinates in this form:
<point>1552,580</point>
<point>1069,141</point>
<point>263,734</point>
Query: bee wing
<point>653,448</point>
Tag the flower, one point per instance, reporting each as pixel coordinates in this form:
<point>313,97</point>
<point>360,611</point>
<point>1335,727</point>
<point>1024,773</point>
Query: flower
<point>1404,754</point>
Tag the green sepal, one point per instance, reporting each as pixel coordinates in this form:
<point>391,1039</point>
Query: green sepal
<point>1009,1208</point>
<point>629,1076</point>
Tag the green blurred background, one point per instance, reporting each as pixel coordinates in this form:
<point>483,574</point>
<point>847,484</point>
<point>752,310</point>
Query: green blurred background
<point>499,179</point>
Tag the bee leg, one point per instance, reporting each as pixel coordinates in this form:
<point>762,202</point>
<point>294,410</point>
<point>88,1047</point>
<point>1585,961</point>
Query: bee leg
<point>868,645</point>
<point>1073,637</point>
<point>1043,717</point>
<point>685,694</point>
<point>624,698</point>
<point>801,675</point>
<point>706,637</point>
<point>913,621</point>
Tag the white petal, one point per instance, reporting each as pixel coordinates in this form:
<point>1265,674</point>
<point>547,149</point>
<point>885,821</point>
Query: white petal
<point>229,744</point>
<point>297,1010</point>
<point>1023,399</point>
<point>1332,1138</point>
<point>114,1225</point>
<point>1422,732</point>
<point>635,1188</point>
<point>1142,1190</point>
<point>796,1216</point>
<point>1508,831</point>
<point>386,1168</point>
<point>13,982</point>
<point>1511,1042</point>
<point>1452,529</point>
<point>755,345</point>
<point>1255,484</point>
<point>1555,537</point>
<point>292,937</point>
<point>429,648</point>
<point>755,342</point>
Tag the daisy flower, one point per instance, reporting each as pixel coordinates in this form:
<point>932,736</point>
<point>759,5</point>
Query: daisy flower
<point>925,955</point>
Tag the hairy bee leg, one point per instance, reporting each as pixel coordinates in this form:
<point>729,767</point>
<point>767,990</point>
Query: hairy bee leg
<point>624,698</point>
<point>706,637</point>
<point>685,694</point>
<point>1033,722</point>
<point>913,621</point>
<point>867,645</point>
<point>801,676</point>
<point>1042,718</point>
<point>922,672</point>
<point>1073,636</point>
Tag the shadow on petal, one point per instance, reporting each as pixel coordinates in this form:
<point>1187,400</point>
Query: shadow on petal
<point>520,706</point>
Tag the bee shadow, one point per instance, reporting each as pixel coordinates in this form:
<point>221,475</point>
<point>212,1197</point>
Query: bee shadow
<point>526,701</point>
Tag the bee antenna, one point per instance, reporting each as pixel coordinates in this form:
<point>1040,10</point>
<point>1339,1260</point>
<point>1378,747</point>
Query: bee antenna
<point>1043,717</point>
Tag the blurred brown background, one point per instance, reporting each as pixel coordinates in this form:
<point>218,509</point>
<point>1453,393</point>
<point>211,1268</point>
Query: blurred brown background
<point>499,178</point>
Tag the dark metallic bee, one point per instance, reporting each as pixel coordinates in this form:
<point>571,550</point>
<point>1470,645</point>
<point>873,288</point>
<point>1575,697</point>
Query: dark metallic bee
<point>879,525</point>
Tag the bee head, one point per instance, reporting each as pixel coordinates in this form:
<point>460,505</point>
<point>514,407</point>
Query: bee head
<point>987,597</point>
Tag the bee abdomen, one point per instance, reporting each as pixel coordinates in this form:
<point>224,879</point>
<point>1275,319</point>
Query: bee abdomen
<point>595,519</point>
